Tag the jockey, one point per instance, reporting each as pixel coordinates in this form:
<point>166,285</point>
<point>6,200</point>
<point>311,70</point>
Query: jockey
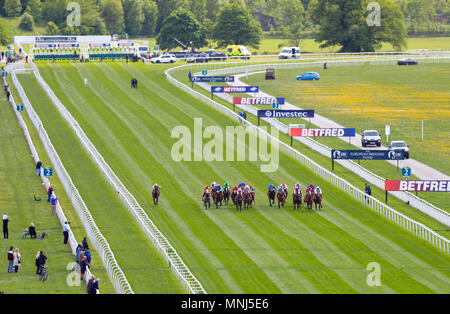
<point>226,185</point>
<point>318,190</point>
<point>298,185</point>
<point>213,185</point>
<point>271,186</point>
<point>234,188</point>
<point>155,186</point>
<point>247,188</point>
<point>297,190</point>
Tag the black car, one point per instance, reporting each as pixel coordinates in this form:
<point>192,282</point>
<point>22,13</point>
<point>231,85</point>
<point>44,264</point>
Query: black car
<point>407,61</point>
<point>218,56</point>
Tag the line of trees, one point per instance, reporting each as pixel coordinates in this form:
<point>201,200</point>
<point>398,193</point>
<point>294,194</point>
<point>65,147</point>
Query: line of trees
<point>331,22</point>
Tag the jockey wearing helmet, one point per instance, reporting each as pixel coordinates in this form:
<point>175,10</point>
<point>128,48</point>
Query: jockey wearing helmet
<point>271,186</point>
<point>155,186</point>
<point>318,190</point>
<point>297,189</point>
<point>226,185</point>
<point>234,188</point>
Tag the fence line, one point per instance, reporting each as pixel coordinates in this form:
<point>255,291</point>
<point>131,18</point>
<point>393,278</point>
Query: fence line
<point>100,244</point>
<point>391,214</point>
<point>191,283</point>
<point>433,211</point>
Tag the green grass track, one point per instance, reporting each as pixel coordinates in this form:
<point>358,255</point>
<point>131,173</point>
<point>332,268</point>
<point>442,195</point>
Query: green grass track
<point>264,250</point>
<point>142,264</point>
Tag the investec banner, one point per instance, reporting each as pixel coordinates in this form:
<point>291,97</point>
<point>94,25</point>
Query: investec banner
<point>419,186</point>
<point>258,100</point>
<point>368,154</point>
<point>213,79</point>
<point>234,89</point>
<point>285,113</point>
<point>298,132</point>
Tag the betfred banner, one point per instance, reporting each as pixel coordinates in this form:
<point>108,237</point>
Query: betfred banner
<point>285,113</point>
<point>299,132</point>
<point>368,154</point>
<point>235,89</point>
<point>417,186</point>
<point>258,100</point>
<point>213,79</point>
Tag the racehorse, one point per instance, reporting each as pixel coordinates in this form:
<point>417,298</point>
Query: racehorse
<point>252,194</point>
<point>318,200</point>
<point>281,198</point>
<point>226,195</point>
<point>308,200</point>
<point>238,201</point>
<point>206,198</point>
<point>248,199</point>
<point>218,198</point>
<point>233,196</point>
<point>297,200</point>
<point>271,195</point>
<point>155,195</point>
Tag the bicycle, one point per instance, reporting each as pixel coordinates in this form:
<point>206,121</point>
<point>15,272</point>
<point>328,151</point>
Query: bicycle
<point>44,275</point>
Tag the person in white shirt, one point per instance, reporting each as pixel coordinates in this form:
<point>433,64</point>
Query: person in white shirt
<point>17,260</point>
<point>66,230</point>
<point>85,82</point>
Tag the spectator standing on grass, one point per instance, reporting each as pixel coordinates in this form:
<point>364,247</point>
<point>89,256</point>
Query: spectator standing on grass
<point>10,260</point>
<point>37,262</point>
<point>50,192</point>
<point>17,260</point>
<point>6,220</point>
<point>85,82</point>
<point>77,253</point>
<point>66,230</point>
<point>38,168</point>
<point>41,260</point>
<point>244,115</point>
<point>32,231</point>
<point>54,202</point>
<point>92,286</point>
<point>85,244</point>
<point>368,190</point>
<point>88,257</point>
<point>83,267</point>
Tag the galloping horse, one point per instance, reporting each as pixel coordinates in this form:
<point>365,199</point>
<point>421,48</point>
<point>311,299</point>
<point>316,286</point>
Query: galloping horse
<point>248,199</point>
<point>238,201</point>
<point>297,200</point>
<point>206,198</point>
<point>226,194</point>
<point>308,200</point>
<point>155,195</point>
<point>281,198</point>
<point>218,198</point>
<point>271,195</point>
<point>318,200</point>
<point>233,196</point>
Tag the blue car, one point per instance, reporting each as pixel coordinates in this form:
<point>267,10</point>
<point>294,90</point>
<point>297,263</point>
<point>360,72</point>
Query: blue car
<point>309,76</point>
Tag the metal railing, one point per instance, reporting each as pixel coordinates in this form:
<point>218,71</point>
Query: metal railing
<point>191,283</point>
<point>391,214</point>
<point>99,242</point>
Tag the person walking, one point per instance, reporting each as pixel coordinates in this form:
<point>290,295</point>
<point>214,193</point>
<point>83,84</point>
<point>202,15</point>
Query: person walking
<point>85,244</point>
<point>6,220</point>
<point>54,202</point>
<point>368,191</point>
<point>41,260</point>
<point>10,260</point>
<point>190,76</point>
<point>66,230</point>
<point>17,260</point>
<point>50,192</point>
<point>83,267</point>
<point>38,168</point>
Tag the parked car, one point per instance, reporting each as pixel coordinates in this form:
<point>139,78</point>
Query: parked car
<point>407,61</point>
<point>371,137</point>
<point>198,58</point>
<point>168,58</point>
<point>400,145</point>
<point>217,56</point>
<point>289,53</point>
<point>309,76</point>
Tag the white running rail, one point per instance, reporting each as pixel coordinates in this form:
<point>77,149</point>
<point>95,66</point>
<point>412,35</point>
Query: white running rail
<point>100,244</point>
<point>191,284</point>
<point>391,214</point>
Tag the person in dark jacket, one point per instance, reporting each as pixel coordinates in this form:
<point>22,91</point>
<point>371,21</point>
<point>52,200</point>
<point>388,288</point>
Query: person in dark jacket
<point>50,192</point>
<point>32,231</point>
<point>88,256</point>
<point>368,191</point>
<point>38,168</point>
<point>85,244</point>
<point>83,267</point>
<point>92,286</point>
<point>77,252</point>
<point>41,261</point>
<point>10,260</point>
<point>6,221</point>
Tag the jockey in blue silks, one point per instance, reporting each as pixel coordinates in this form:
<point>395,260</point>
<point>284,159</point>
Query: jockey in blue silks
<point>271,186</point>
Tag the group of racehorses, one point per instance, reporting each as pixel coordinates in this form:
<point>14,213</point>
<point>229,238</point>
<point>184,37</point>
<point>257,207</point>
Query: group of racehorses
<point>244,196</point>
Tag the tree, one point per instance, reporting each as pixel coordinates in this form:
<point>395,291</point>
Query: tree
<point>54,11</point>
<point>112,12</point>
<point>134,16</point>
<point>345,24</point>
<point>236,26</point>
<point>198,7</point>
<point>5,36</point>
<point>52,29</point>
<point>183,25</point>
<point>13,8</point>
<point>291,23</point>
<point>35,9</point>
<point>27,23</point>
<point>166,7</point>
<point>150,10</point>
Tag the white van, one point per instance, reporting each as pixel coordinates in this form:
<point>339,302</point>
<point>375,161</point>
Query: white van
<point>289,53</point>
